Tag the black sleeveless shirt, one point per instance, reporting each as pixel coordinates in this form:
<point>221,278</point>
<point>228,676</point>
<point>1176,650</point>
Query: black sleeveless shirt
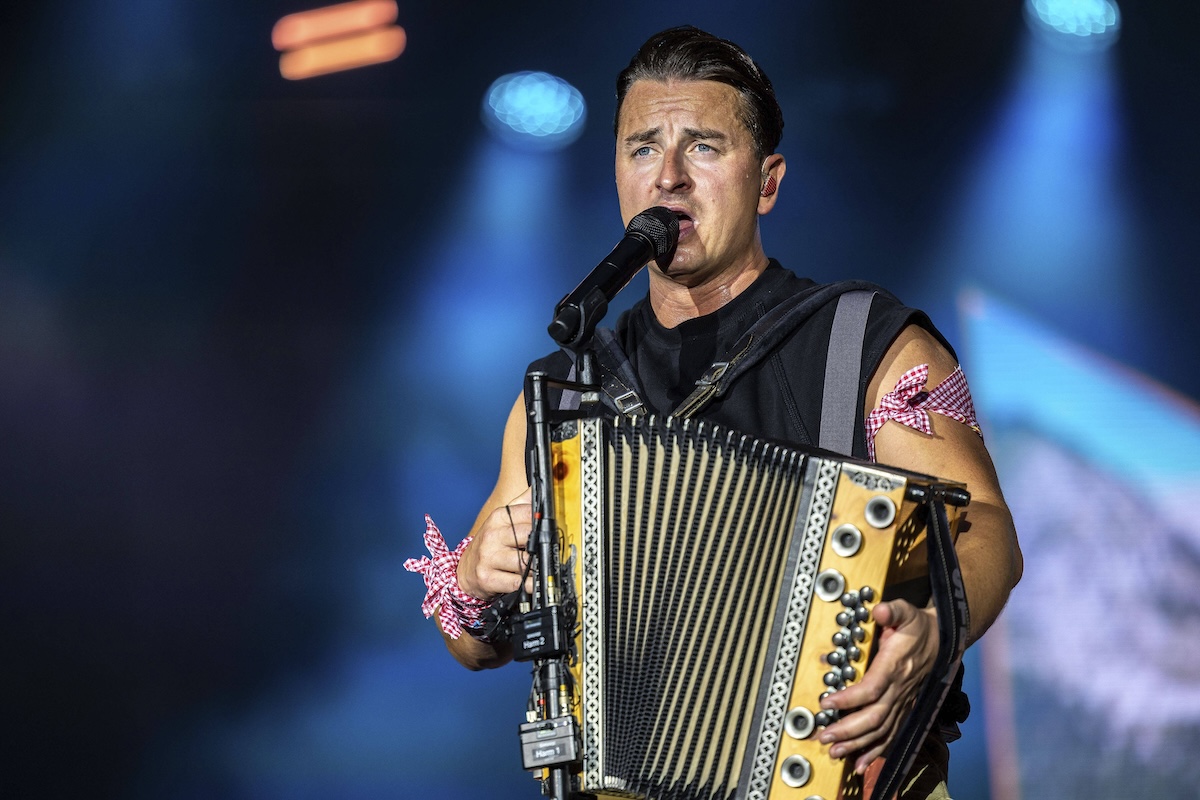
<point>780,398</point>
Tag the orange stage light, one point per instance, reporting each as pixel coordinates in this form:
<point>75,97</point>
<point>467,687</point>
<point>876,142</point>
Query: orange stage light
<point>336,38</point>
<point>305,27</point>
<point>372,47</point>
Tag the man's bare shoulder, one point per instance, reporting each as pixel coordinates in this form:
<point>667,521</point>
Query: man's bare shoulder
<point>913,346</point>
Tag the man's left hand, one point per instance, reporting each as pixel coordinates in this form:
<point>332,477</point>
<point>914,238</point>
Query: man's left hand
<point>875,707</point>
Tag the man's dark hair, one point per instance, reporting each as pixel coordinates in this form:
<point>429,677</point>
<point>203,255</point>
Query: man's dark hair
<point>688,53</point>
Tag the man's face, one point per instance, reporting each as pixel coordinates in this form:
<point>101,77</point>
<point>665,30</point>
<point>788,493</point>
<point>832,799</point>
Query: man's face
<point>681,144</point>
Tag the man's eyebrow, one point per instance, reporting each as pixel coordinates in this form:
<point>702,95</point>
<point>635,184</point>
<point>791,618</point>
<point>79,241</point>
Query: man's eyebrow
<point>643,136</point>
<point>704,134</point>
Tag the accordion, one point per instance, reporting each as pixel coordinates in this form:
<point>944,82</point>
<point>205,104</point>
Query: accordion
<point>719,585</point>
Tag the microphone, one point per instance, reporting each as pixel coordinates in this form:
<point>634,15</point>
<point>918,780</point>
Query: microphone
<point>650,235</point>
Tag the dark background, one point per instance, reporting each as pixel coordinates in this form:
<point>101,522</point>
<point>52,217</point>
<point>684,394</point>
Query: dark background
<point>252,329</point>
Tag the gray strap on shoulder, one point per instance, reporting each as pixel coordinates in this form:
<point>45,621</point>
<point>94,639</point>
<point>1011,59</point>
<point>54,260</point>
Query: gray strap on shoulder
<point>843,370</point>
<point>570,399</point>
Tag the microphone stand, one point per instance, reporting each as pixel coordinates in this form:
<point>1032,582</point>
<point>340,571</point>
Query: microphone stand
<point>543,631</point>
<point>550,738</point>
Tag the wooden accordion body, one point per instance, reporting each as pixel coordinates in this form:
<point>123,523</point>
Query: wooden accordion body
<point>709,571</point>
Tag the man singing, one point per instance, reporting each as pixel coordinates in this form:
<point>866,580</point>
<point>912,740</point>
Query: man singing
<point>697,126</point>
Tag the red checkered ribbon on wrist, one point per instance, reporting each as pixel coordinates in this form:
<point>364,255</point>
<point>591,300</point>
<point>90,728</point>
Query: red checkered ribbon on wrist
<point>458,609</point>
<point>910,405</point>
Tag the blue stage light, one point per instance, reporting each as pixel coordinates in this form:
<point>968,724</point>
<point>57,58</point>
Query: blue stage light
<point>1084,24</point>
<point>534,109</point>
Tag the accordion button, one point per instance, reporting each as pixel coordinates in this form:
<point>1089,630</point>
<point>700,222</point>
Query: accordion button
<point>844,619</point>
<point>866,594</point>
<point>830,585</point>
<point>880,511</point>
<point>847,540</point>
<point>799,723</point>
<point>842,637</point>
<point>832,678</point>
<point>795,771</point>
<point>825,718</point>
<point>849,673</point>
<point>854,653</point>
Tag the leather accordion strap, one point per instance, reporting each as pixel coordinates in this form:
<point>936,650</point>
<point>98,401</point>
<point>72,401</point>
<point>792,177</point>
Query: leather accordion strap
<point>950,600</point>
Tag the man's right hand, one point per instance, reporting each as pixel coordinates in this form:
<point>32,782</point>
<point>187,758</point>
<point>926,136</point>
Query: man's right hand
<point>496,559</point>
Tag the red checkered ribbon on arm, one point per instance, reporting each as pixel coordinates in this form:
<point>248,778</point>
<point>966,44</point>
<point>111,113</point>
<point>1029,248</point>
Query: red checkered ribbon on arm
<point>910,405</point>
<point>459,610</point>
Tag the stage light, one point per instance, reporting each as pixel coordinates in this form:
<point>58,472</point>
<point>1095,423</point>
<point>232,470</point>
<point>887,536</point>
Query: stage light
<point>1075,24</point>
<point>338,37</point>
<point>1042,214</point>
<point>534,109</point>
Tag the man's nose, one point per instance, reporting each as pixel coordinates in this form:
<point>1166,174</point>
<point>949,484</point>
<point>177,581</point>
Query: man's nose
<point>673,175</point>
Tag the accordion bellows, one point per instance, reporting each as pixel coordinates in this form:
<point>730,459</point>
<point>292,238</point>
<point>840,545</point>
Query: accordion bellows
<point>723,584</point>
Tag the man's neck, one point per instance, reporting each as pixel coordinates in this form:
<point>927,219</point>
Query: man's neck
<point>674,303</point>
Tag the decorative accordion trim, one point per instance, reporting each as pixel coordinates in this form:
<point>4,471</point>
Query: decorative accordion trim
<point>592,601</point>
<point>812,545</point>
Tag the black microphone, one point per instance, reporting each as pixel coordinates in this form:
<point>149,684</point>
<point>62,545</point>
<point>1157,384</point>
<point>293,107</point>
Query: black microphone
<point>650,235</point>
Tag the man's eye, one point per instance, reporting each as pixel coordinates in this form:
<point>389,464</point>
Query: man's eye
<point>704,148</point>
<point>642,151</point>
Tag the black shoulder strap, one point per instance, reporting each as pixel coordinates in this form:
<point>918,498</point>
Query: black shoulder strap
<point>773,328</point>
<point>621,390</point>
<point>617,378</point>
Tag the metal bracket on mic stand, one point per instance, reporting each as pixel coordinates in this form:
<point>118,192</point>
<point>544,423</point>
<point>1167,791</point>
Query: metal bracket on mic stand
<point>574,327</point>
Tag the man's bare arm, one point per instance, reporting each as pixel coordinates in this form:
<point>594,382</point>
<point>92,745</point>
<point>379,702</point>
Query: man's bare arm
<point>987,548</point>
<point>494,560</point>
<point>988,551</point>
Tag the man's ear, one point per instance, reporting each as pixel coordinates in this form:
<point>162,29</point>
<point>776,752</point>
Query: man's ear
<point>773,168</point>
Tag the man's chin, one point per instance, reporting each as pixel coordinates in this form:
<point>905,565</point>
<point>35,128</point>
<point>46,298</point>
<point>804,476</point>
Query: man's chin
<point>667,266</point>
<point>676,264</point>
<point>677,272</point>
